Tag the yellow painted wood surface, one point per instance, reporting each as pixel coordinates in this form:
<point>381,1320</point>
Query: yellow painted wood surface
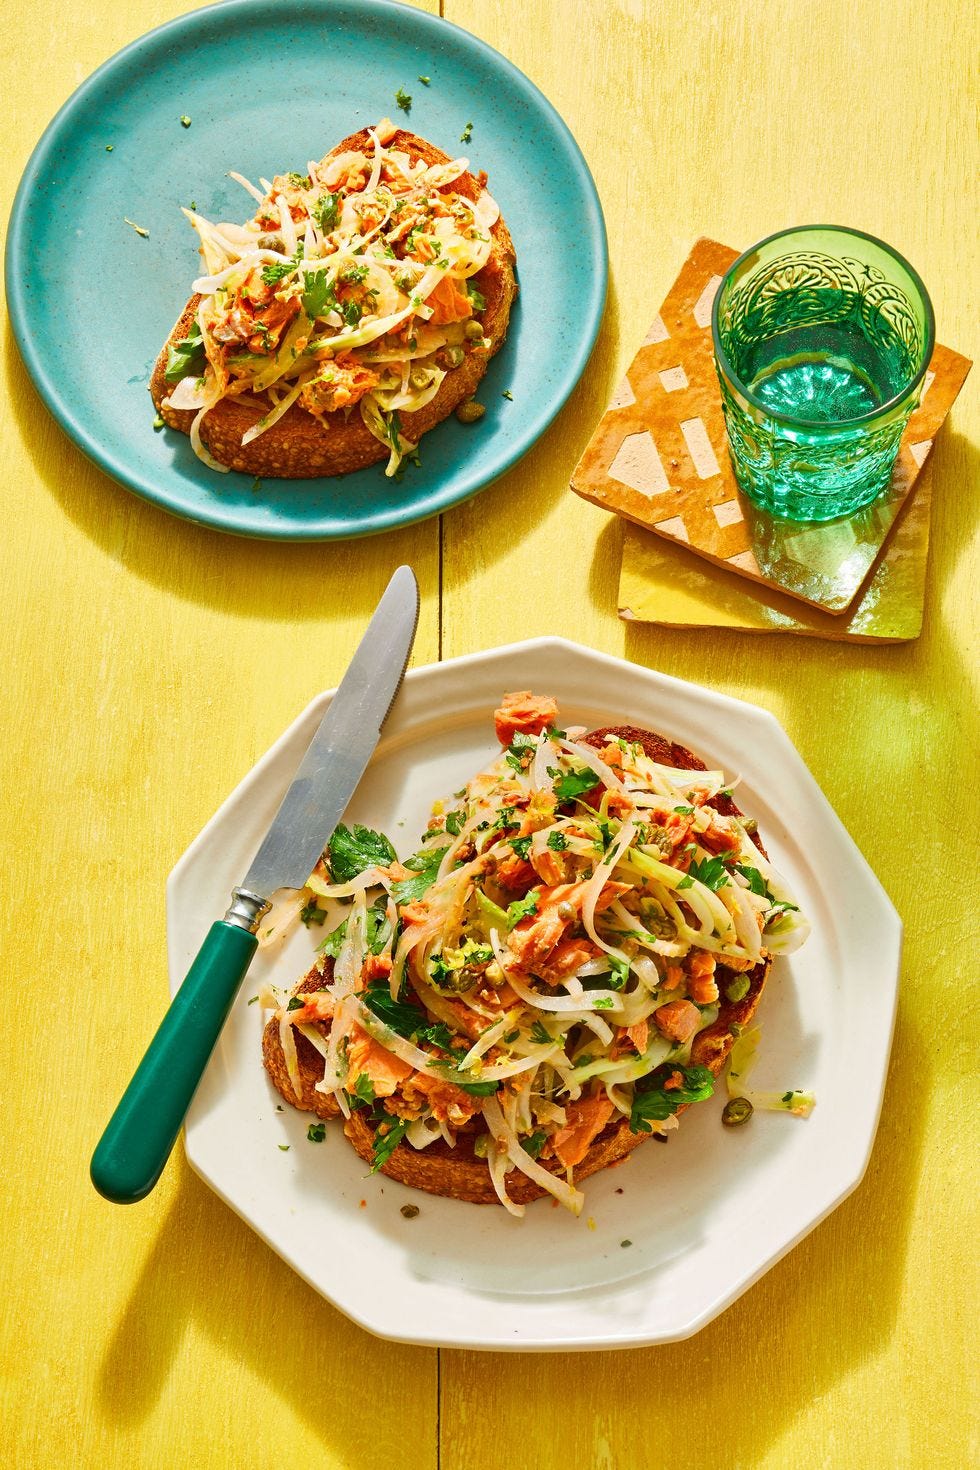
<point>168,1335</point>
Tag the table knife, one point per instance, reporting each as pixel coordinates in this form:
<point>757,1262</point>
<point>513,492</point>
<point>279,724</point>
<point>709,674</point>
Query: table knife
<point>137,1142</point>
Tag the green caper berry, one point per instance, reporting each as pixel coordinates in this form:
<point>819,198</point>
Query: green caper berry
<point>737,1111</point>
<point>470,411</point>
<point>473,330</point>
<point>737,989</point>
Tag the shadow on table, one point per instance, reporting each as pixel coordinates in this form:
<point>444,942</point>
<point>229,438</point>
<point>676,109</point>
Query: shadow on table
<point>812,1321</point>
<point>273,580</point>
<point>208,1273</point>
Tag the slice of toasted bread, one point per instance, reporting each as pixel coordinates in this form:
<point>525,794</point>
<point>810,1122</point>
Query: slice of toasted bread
<point>301,446</point>
<point>457,1172</point>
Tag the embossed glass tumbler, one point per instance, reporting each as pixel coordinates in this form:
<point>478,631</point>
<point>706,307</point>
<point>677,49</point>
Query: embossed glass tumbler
<point>822,338</point>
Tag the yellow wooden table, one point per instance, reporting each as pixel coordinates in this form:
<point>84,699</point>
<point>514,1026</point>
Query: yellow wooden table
<point>168,1335</point>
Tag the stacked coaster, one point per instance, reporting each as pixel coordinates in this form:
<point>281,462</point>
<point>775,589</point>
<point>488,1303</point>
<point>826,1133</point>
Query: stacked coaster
<point>659,457</point>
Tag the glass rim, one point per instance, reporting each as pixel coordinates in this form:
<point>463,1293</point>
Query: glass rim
<point>723,361</point>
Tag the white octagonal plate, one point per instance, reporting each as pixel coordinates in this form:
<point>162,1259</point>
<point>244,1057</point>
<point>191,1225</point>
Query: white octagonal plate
<point>705,1215</point>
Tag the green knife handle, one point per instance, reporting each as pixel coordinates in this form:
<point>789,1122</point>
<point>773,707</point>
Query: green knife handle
<point>141,1132</point>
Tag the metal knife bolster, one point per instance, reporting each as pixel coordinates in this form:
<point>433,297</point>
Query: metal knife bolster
<point>246,909</point>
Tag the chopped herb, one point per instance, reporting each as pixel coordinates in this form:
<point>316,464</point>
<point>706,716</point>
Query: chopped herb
<point>377,933</point>
<point>540,1034</point>
<point>535,1142</point>
<point>520,752</point>
<point>557,841</point>
<point>185,121</point>
<point>425,81</point>
<point>352,850</point>
<point>757,884</point>
<point>711,872</point>
<point>477,1089</point>
<point>467,133</point>
<point>403,100</point>
<point>354,273</point>
<point>454,823</point>
<point>138,228</point>
<point>426,866</point>
<point>284,1148</point>
<point>405,1019</point>
<point>326,212</point>
<point>508,395</point>
<point>253,1000</point>
<point>295,1004</point>
<point>602,1003</point>
<point>299,181</point>
<point>363,1090</point>
<point>652,1102</point>
<point>685,811</point>
<point>510,1037</point>
<point>625,1243</point>
<point>522,846</point>
<point>352,312</point>
<point>573,783</point>
<point>280,1108</point>
<point>318,297</point>
<point>620,972</point>
<point>387,1141</point>
<point>312,913</point>
<point>477,299</point>
<point>158,424</point>
<point>504,819</point>
<point>108,147</point>
<point>522,908</point>
<point>787,1097</point>
<point>409,1212</point>
<point>316,1132</point>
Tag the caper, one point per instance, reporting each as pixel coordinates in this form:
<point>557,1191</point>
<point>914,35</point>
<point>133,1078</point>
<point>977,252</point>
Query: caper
<point>419,378</point>
<point>458,980</point>
<point>737,989</point>
<point>409,1211</point>
<point>272,242</point>
<point>738,1110</point>
<point>481,1145</point>
<point>470,411</point>
<point>566,910</point>
<point>473,330</point>
<point>450,357</point>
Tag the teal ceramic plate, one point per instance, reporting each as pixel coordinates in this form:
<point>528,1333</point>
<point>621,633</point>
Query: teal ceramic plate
<point>268,86</point>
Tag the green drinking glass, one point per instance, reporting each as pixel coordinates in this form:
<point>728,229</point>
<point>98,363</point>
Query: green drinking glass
<point>822,337</point>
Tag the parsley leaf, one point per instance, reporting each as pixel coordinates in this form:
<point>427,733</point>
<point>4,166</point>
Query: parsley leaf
<point>557,841</point>
<point>405,1019</point>
<point>352,311</point>
<point>522,846</point>
<point>186,358</point>
<point>326,212</point>
<point>276,270</point>
<point>573,783</point>
<point>477,299</point>
<point>521,751</point>
<point>295,1004</point>
<point>385,1143</point>
<point>540,1034</point>
<point>316,1132</point>
<point>318,298</point>
<point>454,823</point>
<point>522,908</point>
<point>312,913</point>
<point>353,849</point>
<point>403,99</point>
<point>476,1089</point>
<point>602,1003</point>
<point>467,133</point>
<point>620,972</point>
<point>377,932</point>
<point>652,1103</point>
<point>425,865</point>
<point>757,884</point>
<point>535,1142</point>
<point>711,872</point>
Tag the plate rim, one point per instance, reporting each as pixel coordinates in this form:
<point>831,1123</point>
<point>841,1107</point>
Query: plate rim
<point>376,523</point>
<point>605,1339</point>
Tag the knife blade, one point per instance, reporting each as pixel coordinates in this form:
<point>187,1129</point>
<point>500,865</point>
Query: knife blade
<point>140,1135</point>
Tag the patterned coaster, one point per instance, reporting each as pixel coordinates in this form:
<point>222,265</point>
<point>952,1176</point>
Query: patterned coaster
<point>659,457</point>
<point>660,583</point>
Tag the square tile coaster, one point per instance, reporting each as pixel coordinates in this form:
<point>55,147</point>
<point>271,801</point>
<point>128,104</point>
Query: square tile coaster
<point>659,457</point>
<point>660,583</point>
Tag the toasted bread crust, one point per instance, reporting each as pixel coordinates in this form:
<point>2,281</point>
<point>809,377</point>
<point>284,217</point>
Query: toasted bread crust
<point>300,446</point>
<point>456,1172</point>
